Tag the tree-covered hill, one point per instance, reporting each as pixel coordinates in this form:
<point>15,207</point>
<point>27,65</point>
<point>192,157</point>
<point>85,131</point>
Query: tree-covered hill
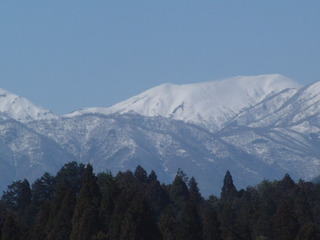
<point>77,204</point>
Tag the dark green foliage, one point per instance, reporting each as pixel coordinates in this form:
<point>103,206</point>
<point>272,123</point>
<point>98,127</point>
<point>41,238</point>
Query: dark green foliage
<point>286,183</point>
<point>194,192</point>
<point>228,191</point>
<point>245,206</point>
<point>59,225</point>
<point>227,218</point>
<point>139,223</point>
<point>43,189</point>
<point>211,225</point>
<point>309,231</point>
<point>109,192</point>
<point>286,225</point>
<point>179,192</point>
<point>71,175</point>
<point>12,229</point>
<point>156,196</point>
<point>18,196</point>
<point>39,229</point>
<point>85,221</point>
<point>169,224</point>
<point>141,174</point>
<point>76,204</point>
<point>190,227</point>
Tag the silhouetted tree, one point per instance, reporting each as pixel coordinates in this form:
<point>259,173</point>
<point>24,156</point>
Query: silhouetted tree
<point>43,189</point>
<point>286,225</point>
<point>228,191</point>
<point>59,226</point>
<point>85,221</point>
<point>179,192</point>
<point>211,225</point>
<point>18,195</point>
<point>309,231</point>
<point>13,230</point>
<point>139,222</point>
<point>141,174</point>
<point>169,224</point>
<point>194,193</point>
<point>190,227</point>
<point>71,175</point>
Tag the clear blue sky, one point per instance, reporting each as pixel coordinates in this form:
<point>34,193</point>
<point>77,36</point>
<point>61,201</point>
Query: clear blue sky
<point>66,55</point>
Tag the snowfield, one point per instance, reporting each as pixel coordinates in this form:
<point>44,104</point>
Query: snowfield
<point>258,127</point>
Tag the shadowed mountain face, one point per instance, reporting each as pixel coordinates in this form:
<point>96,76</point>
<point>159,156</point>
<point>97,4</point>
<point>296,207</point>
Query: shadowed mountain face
<point>277,133</point>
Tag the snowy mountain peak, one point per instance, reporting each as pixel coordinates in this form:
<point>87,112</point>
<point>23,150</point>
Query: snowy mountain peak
<point>210,104</point>
<point>311,91</point>
<point>21,109</point>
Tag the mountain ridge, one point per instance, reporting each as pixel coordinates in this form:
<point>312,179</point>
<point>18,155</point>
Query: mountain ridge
<point>21,109</point>
<point>209,103</point>
<point>262,139</point>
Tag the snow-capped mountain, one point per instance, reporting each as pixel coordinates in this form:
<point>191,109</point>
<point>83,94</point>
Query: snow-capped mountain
<point>210,104</point>
<point>291,108</point>
<point>21,109</point>
<point>123,141</point>
<point>264,127</point>
<point>25,153</point>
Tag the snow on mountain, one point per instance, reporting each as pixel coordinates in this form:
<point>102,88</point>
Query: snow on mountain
<point>265,126</point>
<point>21,109</point>
<point>209,104</point>
<point>283,129</point>
<point>27,154</point>
<point>124,141</point>
<point>290,108</point>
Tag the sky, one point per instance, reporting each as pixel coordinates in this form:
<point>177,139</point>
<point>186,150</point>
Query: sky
<point>65,55</point>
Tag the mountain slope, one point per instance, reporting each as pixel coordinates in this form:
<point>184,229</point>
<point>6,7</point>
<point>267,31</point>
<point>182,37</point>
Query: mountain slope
<point>21,109</point>
<point>210,104</point>
<point>284,128</point>
<point>291,107</point>
<point>263,128</point>
<point>27,154</point>
<point>123,141</point>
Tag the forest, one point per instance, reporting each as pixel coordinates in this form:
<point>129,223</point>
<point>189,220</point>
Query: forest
<point>78,204</point>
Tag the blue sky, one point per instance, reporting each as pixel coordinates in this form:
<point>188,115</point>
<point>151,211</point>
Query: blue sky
<point>67,55</point>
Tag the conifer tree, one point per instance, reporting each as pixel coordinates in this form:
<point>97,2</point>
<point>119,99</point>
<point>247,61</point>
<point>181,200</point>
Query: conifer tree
<point>169,224</point>
<point>229,191</point>
<point>139,222</point>
<point>286,225</point>
<point>286,183</point>
<point>127,187</point>
<point>24,195</point>
<point>109,192</point>
<point>42,189</point>
<point>18,196</point>
<point>141,174</point>
<point>194,192</point>
<point>85,221</point>
<point>13,230</point>
<point>211,225</point>
<point>190,227</point>
<point>179,192</point>
<point>309,231</point>
<point>59,227</point>
<point>39,229</point>
<point>227,219</point>
<point>71,175</point>
<point>157,197</point>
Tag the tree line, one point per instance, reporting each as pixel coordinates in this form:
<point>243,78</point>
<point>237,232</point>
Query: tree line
<point>77,204</point>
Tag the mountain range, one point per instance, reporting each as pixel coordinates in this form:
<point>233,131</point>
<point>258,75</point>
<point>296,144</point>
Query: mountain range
<point>258,127</point>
